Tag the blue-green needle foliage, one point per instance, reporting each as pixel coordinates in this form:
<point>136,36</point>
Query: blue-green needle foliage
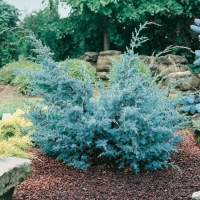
<point>65,121</point>
<point>196,28</point>
<point>139,122</point>
<point>133,123</point>
<point>191,104</point>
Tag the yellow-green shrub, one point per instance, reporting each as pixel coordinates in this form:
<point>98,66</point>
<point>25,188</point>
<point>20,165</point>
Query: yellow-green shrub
<point>76,71</point>
<point>16,146</point>
<point>12,142</point>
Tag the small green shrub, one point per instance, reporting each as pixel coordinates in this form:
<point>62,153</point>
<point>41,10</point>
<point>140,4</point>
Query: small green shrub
<point>9,74</point>
<point>22,84</point>
<point>16,146</point>
<point>6,75</point>
<point>12,141</point>
<point>24,65</point>
<point>75,69</point>
<point>143,68</point>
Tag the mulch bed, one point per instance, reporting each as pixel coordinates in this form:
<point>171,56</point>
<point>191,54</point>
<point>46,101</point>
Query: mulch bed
<point>51,179</point>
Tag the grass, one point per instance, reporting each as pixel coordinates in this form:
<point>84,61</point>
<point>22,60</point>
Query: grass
<point>11,105</point>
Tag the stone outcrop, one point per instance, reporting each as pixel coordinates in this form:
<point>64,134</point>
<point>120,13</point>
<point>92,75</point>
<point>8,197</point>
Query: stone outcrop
<point>195,119</point>
<point>163,65</point>
<point>182,81</point>
<point>102,75</point>
<point>90,57</point>
<point>166,64</point>
<point>105,60</point>
<point>12,171</point>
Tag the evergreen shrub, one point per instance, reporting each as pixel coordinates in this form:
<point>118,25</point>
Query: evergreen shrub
<point>132,124</point>
<point>196,28</point>
<point>75,69</point>
<point>13,140</point>
<point>191,104</point>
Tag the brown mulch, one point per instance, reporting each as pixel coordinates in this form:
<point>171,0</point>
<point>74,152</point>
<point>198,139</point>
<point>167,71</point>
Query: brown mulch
<point>51,179</point>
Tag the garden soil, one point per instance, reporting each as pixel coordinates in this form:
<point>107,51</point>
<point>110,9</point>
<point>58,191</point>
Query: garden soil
<point>9,92</point>
<point>51,179</point>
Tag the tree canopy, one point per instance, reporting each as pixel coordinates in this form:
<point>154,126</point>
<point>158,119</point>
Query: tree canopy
<point>51,30</point>
<point>114,20</point>
<point>117,14</point>
<point>9,16</point>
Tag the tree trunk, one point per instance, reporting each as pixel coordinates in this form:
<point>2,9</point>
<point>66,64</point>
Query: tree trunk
<point>106,41</point>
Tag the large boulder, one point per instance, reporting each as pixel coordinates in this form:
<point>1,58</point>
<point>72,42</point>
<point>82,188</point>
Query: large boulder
<point>106,58</point>
<point>183,81</point>
<point>176,59</point>
<point>166,64</point>
<point>91,56</point>
<point>12,171</point>
<point>195,119</point>
<point>102,75</point>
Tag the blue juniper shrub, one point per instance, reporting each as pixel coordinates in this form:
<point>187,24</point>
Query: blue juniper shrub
<point>196,28</point>
<point>133,123</point>
<point>191,104</point>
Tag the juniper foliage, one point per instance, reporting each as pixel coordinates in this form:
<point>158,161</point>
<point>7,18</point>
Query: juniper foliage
<point>196,28</point>
<point>139,120</point>
<point>133,123</point>
<point>191,104</point>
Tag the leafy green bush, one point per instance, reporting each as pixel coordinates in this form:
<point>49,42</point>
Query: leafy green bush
<point>133,123</point>
<point>9,38</point>
<point>9,74</point>
<point>22,84</point>
<point>6,75</point>
<point>75,69</point>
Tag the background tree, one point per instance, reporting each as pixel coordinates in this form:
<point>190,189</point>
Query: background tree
<point>117,14</point>
<point>114,20</point>
<point>9,40</point>
<point>51,30</point>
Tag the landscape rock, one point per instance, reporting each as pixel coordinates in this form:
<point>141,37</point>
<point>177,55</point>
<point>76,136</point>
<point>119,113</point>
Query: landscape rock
<point>106,58</point>
<point>196,196</point>
<point>195,120</point>
<point>166,64</point>
<point>102,75</point>
<point>182,81</point>
<point>91,56</point>
<point>83,57</point>
<point>12,172</point>
<point>176,59</point>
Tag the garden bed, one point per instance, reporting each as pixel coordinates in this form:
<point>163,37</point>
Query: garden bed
<point>52,179</point>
